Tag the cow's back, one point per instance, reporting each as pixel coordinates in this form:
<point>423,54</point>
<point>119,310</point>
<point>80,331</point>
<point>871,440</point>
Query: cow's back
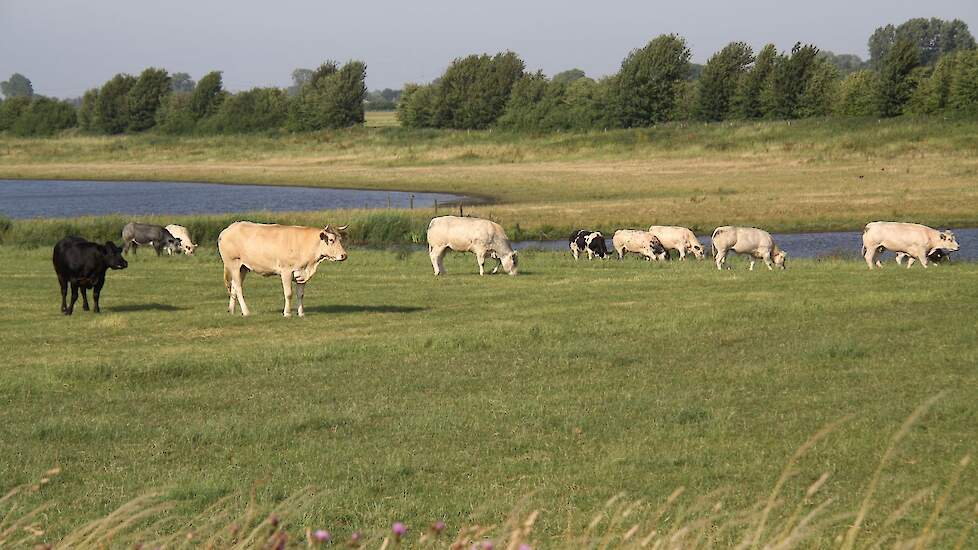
<point>462,233</point>
<point>895,235</point>
<point>74,256</point>
<point>266,248</point>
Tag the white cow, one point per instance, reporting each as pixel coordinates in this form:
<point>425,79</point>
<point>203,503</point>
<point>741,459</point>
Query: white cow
<point>481,237</point>
<point>186,243</point>
<point>681,239</point>
<point>639,242</point>
<point>291,252</point>
<point>911,239</point>
<point>750,241</point>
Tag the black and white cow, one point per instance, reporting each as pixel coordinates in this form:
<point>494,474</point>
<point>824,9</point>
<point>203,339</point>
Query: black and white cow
<point>82,264</point>
<point>590,242</point>
<point>135,234</point>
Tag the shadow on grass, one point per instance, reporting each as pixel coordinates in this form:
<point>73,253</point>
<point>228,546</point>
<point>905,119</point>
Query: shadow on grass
<point>144,307</point>
<point>353,308</point>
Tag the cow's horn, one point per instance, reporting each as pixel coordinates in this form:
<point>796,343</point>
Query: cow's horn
<point>343,227</point>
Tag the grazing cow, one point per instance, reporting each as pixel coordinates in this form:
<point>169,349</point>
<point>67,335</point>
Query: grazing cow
<point>83,264</point>
<point>591,242</point>
<point>136,234</point>
<point>751,241</point>
<point>937,256</point>
<point>912,239</point>
<point>186,243</point>
<point>640,242</point>
<point>481,237</point>
<point>294,253</point>
<point>678,238</point>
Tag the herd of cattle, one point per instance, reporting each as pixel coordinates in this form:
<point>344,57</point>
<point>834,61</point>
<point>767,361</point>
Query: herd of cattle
<point>294,253</point>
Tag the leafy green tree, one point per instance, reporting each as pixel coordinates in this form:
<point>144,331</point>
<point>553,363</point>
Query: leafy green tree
<point>566,77</point>
<point>933,38</point>
<point>17,85</point>
<point>857,95</point>
<point>686,107</point>
<point>207,95</point>
<point>591,104</point>
<point>846,63</point>
<point>821,91</point>
<point>416,109</point>
<point>746,102</point>
<point>86,111</point>
<point>787,82</point>
<point>182,83</point>
<point>11,109</point>
<point>256,110</point>
<point>536,104</point>
<point>174,115</point>
<point>895,83</point>
<point>963,96</point>
<point>474,90</point>
<point>332,98</point>
<point>112,105</point>
<point>647,81</point>
<point>375,101</point>
<point>44,117</point>
<point>145,98</point>
<point>300,77</point>
<point>718,83</point>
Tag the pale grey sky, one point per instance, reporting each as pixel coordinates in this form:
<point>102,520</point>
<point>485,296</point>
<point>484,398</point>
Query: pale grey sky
<point>67,46</point>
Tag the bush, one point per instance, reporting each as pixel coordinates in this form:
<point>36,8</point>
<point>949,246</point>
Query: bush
<point>417,106</point>
<point>174,115</point>
<point>11,109</point>
<point>44,117</point>
<point>856,96</point>
<point>257,110</point>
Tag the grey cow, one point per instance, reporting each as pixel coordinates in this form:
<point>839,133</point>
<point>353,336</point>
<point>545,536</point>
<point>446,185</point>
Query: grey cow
<point>136,234</point>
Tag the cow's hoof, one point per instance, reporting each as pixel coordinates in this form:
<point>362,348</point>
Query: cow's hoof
<point>287,314</point>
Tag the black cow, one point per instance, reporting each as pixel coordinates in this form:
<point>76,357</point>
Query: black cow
<point>135,234</point>
<point>938,255</point>
<point>83,264</point>
<point>591,242</point>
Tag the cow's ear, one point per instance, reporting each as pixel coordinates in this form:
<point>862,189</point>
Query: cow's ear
<point>322,235</point>
<point>943,237</point>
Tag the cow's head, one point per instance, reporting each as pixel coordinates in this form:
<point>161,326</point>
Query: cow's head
<point>780,257</point>
<point>509,262</point>
<point>113,256</point>
<point>696,249</point>
<point>188,248</point>
<point>170,243</point>
<point>331,243</point>
<point>948,242</point>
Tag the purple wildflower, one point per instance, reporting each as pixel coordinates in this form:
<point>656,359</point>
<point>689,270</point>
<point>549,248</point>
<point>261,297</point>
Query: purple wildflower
<point>438,527</point>
<point>399,529</point>
<point>321,535</point>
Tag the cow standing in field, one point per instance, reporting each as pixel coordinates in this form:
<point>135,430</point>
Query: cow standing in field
<point>294,253</point>
<point>186,243</point>
<point>82,264</point>
<point>136,234</point>
<point>681,239</point>
<point>639,242</point>
<point>911,239</point>
<point>750,241</point>
<point>590,242</point>
<point>483,238</point>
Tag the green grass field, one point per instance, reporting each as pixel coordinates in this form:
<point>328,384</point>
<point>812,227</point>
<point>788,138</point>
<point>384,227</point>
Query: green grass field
<point>405,397</point>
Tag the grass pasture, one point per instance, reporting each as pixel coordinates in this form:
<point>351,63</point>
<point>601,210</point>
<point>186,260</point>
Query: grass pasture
<point>402,397</point>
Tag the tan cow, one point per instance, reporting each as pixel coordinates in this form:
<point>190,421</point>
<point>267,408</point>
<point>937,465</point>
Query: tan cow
<point>186,243</point>
<point>481,237</point>
<point>639,242</point>
<point>292,252</point>
<point>681,239</point>
<point>750,241</point>
<point>912,239</point>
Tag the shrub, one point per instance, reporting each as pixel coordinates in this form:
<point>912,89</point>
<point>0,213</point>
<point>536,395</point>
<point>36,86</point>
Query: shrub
<point>174,115</point>
<point>44,117</point>
<point>11,109</point>
<point>857,95</point>
<point>256,110</point>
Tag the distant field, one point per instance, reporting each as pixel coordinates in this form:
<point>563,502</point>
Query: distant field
<point>381,119</point>
<point>402,397</point>
<point>809,175</point>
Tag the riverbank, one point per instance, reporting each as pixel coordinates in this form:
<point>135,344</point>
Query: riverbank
<point>811,175</point>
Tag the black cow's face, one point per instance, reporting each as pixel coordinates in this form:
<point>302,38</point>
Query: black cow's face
<point>113,256</point>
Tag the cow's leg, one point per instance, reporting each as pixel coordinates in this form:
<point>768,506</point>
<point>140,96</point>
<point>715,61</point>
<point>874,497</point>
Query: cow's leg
<point>237,278</point>
<point>720,257</point>
<point>752,260</point>
<point>229,286</point>
<point>64,293</point>
<point>480,258</point>
<point>870,255</point>
<point>575,252</point>
<point>96,292</point>
<point>74,298</point>
<point>84,293</point>
<point>299,291</point>
<point>768,262</point>
<point>287,289</point>
<point>159,249</point>
<point>437,255</point>
<point>923,260</point>
<point>682,254</point>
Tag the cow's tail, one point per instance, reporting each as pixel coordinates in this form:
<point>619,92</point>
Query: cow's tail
<point>713,240</point>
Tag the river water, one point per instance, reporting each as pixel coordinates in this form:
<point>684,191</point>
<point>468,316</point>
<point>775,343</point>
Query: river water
<point>65,199</point>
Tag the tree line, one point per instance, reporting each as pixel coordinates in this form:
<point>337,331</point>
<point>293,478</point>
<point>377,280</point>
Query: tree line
<point>923,66</point>
<point>920,67</point>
